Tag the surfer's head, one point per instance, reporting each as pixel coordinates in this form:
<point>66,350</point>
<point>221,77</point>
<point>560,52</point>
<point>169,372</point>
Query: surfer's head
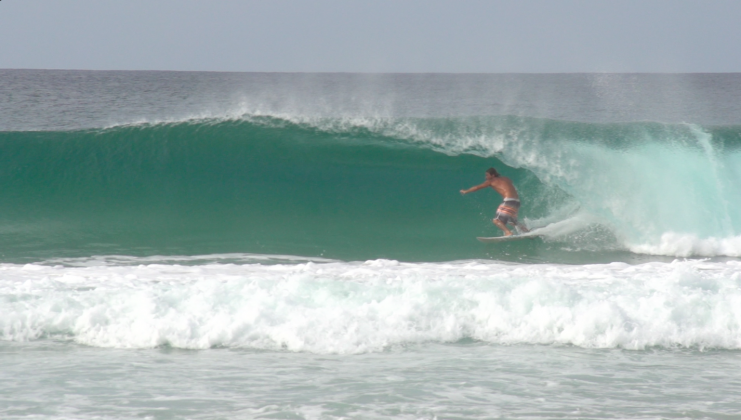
<point>493,172</point>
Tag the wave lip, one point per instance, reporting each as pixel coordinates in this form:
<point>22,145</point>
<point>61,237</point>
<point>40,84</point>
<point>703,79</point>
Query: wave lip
<point>358,307</point>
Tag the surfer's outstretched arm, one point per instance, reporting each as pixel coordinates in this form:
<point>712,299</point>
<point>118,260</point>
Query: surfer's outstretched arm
<point>476,188</point>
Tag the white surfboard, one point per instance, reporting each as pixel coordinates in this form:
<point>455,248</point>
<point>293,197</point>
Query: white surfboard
<point>529,235</point>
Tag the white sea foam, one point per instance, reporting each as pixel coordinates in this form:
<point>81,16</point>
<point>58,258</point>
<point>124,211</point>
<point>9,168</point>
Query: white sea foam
<point>339,307</point>
<point>686,245</point>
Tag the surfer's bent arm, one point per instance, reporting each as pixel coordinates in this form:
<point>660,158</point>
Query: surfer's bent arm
<point>476,188</point>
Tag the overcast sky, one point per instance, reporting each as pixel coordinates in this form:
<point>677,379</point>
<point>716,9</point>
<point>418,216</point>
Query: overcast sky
<point>540,36</point>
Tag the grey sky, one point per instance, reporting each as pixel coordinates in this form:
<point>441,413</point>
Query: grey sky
<point>373,36</point>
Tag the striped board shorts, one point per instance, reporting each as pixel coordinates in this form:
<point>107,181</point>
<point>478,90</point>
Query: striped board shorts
<point>507,211</point>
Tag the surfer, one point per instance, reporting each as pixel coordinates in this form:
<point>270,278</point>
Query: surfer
<point>507,211</point>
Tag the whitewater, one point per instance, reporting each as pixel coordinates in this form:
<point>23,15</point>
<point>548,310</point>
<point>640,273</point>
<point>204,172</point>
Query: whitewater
<point>247,245</point>
<point>349,308</point>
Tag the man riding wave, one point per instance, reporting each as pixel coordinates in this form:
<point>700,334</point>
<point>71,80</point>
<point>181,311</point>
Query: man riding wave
<point>507,211</point>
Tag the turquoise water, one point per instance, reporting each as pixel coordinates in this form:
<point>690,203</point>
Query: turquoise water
<point>246,245</point>
<point>376,188</point>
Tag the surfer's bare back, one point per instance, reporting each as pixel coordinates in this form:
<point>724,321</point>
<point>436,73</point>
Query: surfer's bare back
<point>507,211</point>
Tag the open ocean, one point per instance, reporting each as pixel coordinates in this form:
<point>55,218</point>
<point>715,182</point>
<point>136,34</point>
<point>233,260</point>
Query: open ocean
<point>184,245</point>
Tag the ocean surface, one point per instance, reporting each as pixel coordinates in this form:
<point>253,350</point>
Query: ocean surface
<point>294,246</point>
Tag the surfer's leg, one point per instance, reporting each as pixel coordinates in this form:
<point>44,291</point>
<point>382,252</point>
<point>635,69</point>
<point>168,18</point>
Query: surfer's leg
<point>506,213</point>
<point>502,226</point>
<point>521,227</point>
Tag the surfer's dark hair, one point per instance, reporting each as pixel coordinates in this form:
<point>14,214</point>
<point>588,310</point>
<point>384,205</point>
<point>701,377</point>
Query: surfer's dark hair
<point>493,172</point>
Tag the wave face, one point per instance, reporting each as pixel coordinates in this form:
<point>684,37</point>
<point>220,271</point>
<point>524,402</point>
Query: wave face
<point>341,307</point>
<point>369,188</point>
